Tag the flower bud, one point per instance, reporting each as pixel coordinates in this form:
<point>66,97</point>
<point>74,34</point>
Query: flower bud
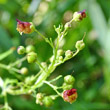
<point>67,86</point>
<point>28,80</point>
<point>25,27</point>
<point>30,48</point>
<point>24,71</point>
<point>60,58</point>
<point>39,98</point>
<point>80,45</point>
<point>67,25</point>
<point>60,52</point>
<point>31,57</point>
<point>44,64</point>
<point>78,16</point>
<point>68,54</point>
<point>69,79</point>
<point>70,95</point>
<point>47,101</point>
<point>21,50</point>
<point>51,59</point>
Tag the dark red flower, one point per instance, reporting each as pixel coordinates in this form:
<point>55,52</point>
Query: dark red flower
<point>78,16</point>
<point>70,95</point>
<point>83,14</point>
<point>24,27</point>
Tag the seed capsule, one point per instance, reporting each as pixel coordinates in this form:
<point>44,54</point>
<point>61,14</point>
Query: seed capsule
<point>69,79</point>
<point>68,54</point>
<point>30,48</point>
<point>31,57</point>
<point>80,45</point>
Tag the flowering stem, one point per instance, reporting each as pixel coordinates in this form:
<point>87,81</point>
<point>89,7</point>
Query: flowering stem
<point>52,66</point>
<point>57,64</point>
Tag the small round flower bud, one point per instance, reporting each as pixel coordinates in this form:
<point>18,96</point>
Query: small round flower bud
<point>30,48</point>
<point>21,50</point>
<point>24,71</point>
<point>39,96</point>
<point>67,25</point>
<point>60,58</point>
<point>28,80</point>
<point>69,79</point>
<point>51,59</point>
<point>70,95</point>
<point>60,52</point>
<point>80,45</point>
<point>31,57</point>
<point>47,101</point>
<point>67,86</point>
<point>68,53</point>
<point>44,64</point>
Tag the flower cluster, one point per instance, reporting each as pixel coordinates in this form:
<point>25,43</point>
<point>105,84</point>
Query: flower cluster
<point>29,84</point>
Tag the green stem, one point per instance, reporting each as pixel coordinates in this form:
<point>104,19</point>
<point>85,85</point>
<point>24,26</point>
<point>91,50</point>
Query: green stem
<point>36,76</point>
<point>40,80</point>
<point>6,101</point>
<point>18,61</point>
<point>55,79</point>
<point>7,67</point>
<point>46,39</point>
<point>52,86</point>
<point>41,66</point>
<point>11,70</point>
<point>6,54</point>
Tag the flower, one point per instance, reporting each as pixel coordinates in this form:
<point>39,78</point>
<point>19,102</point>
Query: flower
<point>24,27</point>
<point>70,95</point>
<point>78,16</point>
<point>83,14</point>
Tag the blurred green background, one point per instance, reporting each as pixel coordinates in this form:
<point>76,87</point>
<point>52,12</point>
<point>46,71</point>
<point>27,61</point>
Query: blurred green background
<point>91,66</point>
